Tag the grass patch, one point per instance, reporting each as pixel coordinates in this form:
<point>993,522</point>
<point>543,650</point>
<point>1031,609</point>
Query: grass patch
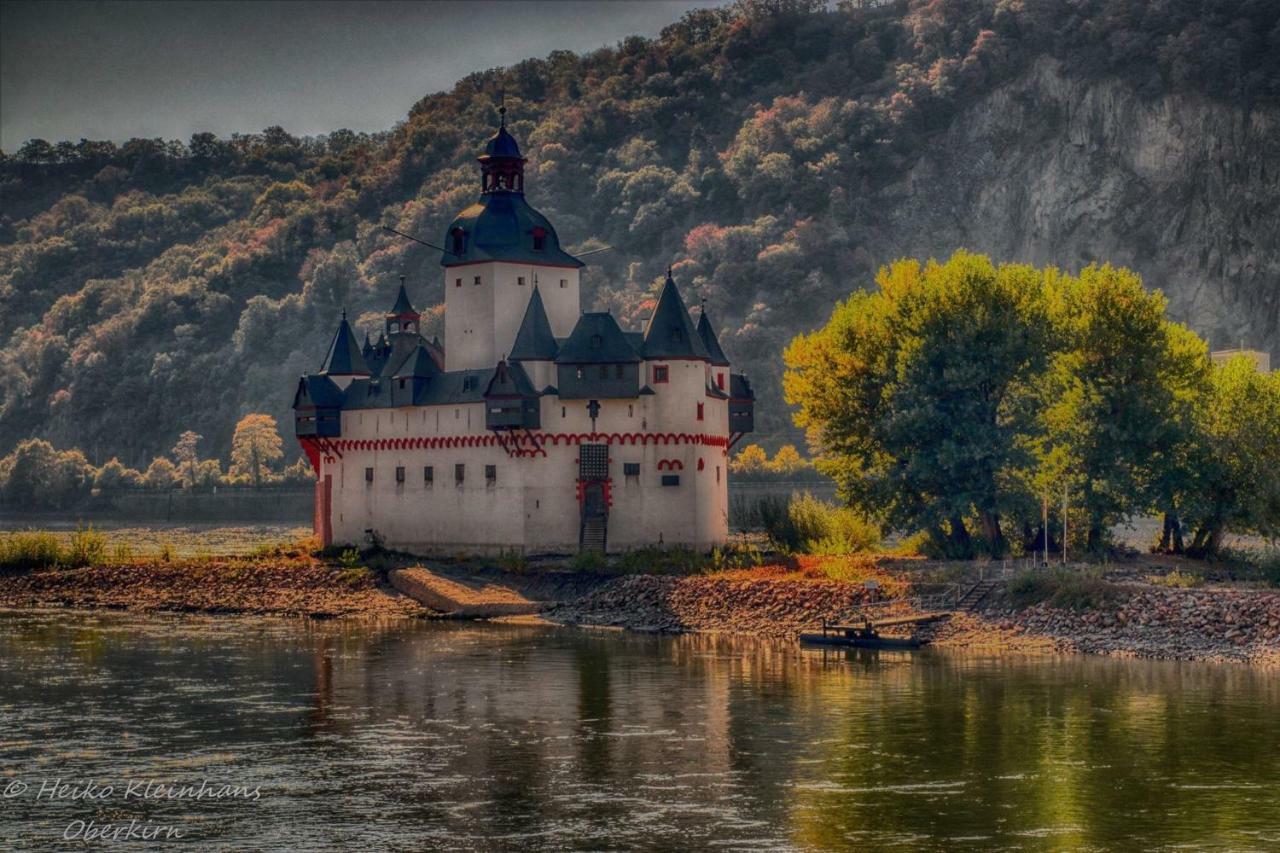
<point>806,525</point>
<point>37,549</point>
<point>588,561</point>
<point>355,577</point>
<point>1178,579</point>
<point>1065,589</point>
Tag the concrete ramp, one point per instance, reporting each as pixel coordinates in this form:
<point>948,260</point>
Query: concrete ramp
<point>472,598</point>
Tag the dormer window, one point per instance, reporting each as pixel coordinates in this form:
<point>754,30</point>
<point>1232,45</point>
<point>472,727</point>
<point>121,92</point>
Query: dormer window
<point>459,241</point>
<point>596,342</point>
<point>539,239</point>
<point>677,335</point>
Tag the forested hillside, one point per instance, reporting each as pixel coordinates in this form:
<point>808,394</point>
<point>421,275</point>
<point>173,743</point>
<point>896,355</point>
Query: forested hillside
<point>776,152</point>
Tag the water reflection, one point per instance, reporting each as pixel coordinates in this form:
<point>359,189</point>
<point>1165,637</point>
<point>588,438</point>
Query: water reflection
<point>413,736</point>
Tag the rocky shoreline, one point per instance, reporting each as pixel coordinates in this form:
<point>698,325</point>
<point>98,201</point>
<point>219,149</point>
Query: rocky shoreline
<point>1145,621</point>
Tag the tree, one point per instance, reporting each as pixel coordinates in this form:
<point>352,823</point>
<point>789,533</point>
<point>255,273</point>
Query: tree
<point>161,474</point>
<point>1120,392</point>
<point>787,460</point>
<point>254,447</point>
<point>749,460</point>
<point>37,475</point>
<point>188,458</point>
<point>1235,486</point>
<point>114,475</point>
<point>919,399</point>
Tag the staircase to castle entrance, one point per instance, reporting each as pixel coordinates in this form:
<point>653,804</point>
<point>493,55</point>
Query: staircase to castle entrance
<point>593,485</point>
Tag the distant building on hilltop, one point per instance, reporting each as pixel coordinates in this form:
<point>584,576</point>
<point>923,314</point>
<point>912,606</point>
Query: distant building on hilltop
<point>1262,360</point>
<point>534,426</point>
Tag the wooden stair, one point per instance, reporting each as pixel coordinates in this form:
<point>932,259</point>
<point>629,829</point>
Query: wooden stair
<point>594,535</point>
<point>976,594</point>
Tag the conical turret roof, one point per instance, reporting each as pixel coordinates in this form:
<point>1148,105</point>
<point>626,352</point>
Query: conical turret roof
<point>403,306</point>
<point>534,341</point>
<point>344,357</point>
<point>710,341</point>
<point>671,333</point>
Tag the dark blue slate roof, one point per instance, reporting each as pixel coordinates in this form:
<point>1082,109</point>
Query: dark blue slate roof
<point>510,380</point>
<point>499,227</point>
<point>403,306</point>
<point>344,357</point>
<point>740,388</point>
<point>535,341</point>
<point>419,364</point>
<point>458,386</point>
<point>671,333</point>
<point>318,391</point>
<point>710,341</point>
<point>596,339</point>
<point>502,144</point>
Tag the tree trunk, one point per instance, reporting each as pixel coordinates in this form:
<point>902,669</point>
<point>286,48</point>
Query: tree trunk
<point>960,539</point>
<point>993,535</point>
<point>1093,542</point>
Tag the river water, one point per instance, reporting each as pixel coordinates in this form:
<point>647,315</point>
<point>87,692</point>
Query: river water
<point>452,736</point>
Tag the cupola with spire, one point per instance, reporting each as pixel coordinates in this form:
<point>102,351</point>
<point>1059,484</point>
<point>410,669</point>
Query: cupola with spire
<point>501,164</point>
<point>402,317</point>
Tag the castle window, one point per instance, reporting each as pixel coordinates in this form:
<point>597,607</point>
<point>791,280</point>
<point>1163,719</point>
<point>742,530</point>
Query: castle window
<point>564,282</point>
<point>368,475</point>
<point>677,335</point>
<point>631,410</point>
<point>700,410</point>
<point>457,282</point>
<point>619,371</point>
<point>604,371</point>
<point>717,473</point>
<point>564,412</point>
<point>670,479</point>
<point>596,342</point>
<point>400,474</point>
<point>459,473</point>
<point>631,469</point>
<point>520,280</point>
<point>659,373</point>
<point>428,475</point>
<point>401,384</point>
<point>579,372</point>
<point>491,474</point>
<point>720,380</point>
<point>459,241</point>
<point>477,281</point>
<point>539,239</point>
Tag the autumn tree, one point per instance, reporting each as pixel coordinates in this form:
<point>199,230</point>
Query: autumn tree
<point>255,447</point>
<point>787,461</point>
<point>37,475</point>
<point>918,397</point>
<point>185,452</point>
<point>161,474</point>
<point>1235,485</point>
<point>751,459</point>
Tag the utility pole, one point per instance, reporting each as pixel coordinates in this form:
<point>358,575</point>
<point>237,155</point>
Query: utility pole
<point>1064,524</point>
<point>1044,501</point>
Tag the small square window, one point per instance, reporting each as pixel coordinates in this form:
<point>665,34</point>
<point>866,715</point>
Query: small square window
<point>399,473</point>
<point>368,475</point>
<point>477,281</point>
<point>564,282</point>
<point>604,371</point>
<point>491,474</point>
<point>631,469</point>
<point>457,283</point>
<point>459,472</point>
<point>670,479</point>
<point>428,474</point>
<point>659,373</point>
<point>520,280</point>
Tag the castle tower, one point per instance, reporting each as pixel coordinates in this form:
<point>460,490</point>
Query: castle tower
<point>496,251</point>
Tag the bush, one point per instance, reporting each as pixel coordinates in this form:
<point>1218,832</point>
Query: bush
<point>30,549</point>
<point>1063,588</point>
<point>588,561</point>
<point>1178,579</point>
<point>806,524</point>
<point>88,547</point>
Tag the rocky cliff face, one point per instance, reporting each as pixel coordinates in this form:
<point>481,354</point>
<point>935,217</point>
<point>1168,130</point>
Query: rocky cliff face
<point>1053,170</point>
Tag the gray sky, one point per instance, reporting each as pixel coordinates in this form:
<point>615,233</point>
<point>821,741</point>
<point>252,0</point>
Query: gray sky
<point>114,70</point>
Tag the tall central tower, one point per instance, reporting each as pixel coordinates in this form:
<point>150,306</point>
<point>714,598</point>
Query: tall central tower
<point>496,252</point>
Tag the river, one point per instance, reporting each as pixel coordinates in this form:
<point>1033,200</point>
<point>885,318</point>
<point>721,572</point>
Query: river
<point>459,736</point>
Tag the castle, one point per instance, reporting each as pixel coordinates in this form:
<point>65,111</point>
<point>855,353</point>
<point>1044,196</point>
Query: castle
<point>535,427</point>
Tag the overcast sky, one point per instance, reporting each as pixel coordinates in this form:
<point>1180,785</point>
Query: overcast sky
<point>114,70</point>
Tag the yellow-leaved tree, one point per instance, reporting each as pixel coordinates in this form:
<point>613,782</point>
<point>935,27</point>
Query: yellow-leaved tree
<point>255,447</point>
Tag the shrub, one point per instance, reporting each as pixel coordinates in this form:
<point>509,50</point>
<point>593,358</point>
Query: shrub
<point>1063,588</point>
<point>88,547</point>
<point>349,558</point>
<point>1178,579</point>
<point>809,525</point>
<point>512,561</point>
<point>588,561</point>
<point>30,549</point>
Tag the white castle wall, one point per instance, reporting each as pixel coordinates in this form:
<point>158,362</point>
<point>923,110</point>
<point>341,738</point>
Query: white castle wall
<point>532,504</point>
<point>481,320</point>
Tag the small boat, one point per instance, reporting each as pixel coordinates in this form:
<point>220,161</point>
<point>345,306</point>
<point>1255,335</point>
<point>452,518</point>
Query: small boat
<point>862,641</point>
